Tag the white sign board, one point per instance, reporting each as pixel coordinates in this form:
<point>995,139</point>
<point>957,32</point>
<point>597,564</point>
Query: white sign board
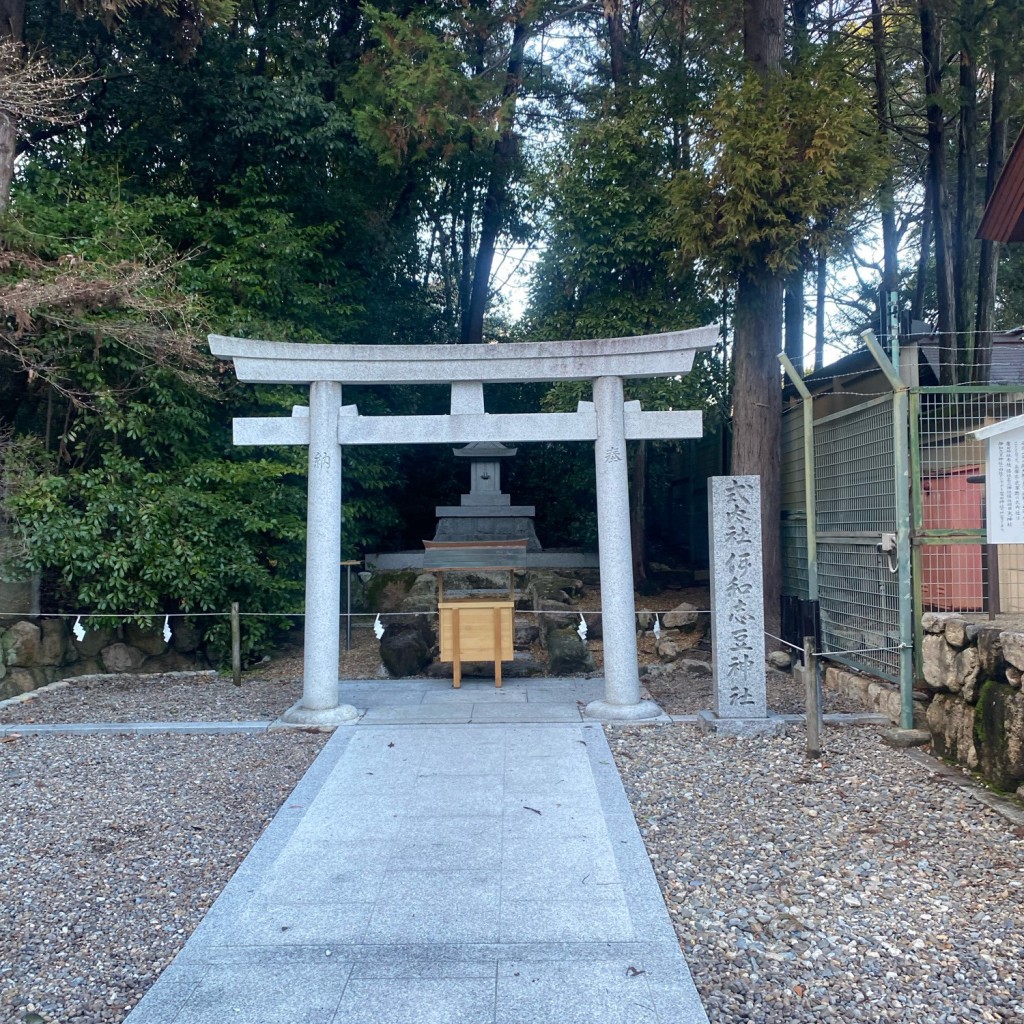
<point>1004,488</point>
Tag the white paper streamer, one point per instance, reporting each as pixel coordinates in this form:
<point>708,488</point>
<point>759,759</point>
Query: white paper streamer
<point>657,627</point>
<point>78,629</point>
<point>378,629</point>
<point>581,629</point>
<point>167,629</point>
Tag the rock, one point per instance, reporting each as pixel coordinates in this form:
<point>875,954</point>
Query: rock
<point>990,653</point>
<point>595,625</point>
<point>965,667</point>
<point>550,585</point>
<point>22,680</point>
<point>667,649</point>
<point>933,622</point>
<point>1013,676</point>
<point>644,620</point>
<point>903,738</point>
<point>149,640</point>
<point>951,723</point>
<point>387,590</point>
<point>20,643</point>
<point>53,643</point>
<point>781,660</point>
<point>700,669</point>
<point>524,666</point>
<point>422,596</point>
<point>937,663</point>
<point>527,632</point>
<point>186,635</point>
<point>94,642</point>
<point>175,661</point>
<point>1013,648</point>
<point>404,648</point>
<point>120,657</point>
<point>956,631</point>
<point>556,616</point>
<point>998,726</point>
<point>683,616</point>
<point>567,653</point>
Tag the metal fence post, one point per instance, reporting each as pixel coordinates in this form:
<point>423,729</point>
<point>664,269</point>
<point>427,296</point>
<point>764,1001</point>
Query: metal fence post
<point>901,464</point>
<point>236,645</point>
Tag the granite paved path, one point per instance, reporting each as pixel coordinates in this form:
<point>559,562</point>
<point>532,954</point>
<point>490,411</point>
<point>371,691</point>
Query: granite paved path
<point>440,874</point>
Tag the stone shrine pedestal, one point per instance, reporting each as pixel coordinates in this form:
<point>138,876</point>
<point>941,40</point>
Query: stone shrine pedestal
<point>486,513</point>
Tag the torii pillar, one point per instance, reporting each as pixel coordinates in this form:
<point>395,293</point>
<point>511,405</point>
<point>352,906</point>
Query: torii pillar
<point>327,426</point>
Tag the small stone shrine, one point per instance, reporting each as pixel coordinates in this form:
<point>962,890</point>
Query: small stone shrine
<point>737,610</point>
<point>486,513</point>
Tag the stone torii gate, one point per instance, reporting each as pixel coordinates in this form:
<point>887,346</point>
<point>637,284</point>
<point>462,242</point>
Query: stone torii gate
<point>326,426</point>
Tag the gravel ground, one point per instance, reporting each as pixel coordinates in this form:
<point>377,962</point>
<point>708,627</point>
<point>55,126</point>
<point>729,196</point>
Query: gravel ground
<point>113,849</point>
<point>863,887</point>
<point>684,688</point>
<point>175,697</point>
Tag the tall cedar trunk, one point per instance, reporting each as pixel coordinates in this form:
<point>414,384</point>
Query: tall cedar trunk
<point>988,257</point>
<point>945,290</point>
<point>794,318</point>
<point>495,206</point>
<point>638,510</point>
<point>917,303</point>
<point>966,187</point>
<point>12,30</point>
<point>887,190</point>
<point>616,46</point>
<point>757,391</point>
<point>821,281</point>
<point>757,416</point>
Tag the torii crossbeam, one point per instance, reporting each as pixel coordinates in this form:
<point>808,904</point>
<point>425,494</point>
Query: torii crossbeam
<point>327,426</point>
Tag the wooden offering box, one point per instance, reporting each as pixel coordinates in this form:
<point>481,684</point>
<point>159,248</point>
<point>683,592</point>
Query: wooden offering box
<point>475,624</point>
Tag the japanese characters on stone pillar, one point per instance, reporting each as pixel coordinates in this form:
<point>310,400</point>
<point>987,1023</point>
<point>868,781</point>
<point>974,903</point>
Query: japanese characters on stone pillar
<point>737,608</point>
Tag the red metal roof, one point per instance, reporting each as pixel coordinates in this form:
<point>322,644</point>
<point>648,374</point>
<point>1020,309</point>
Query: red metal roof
<point>1004,215</point>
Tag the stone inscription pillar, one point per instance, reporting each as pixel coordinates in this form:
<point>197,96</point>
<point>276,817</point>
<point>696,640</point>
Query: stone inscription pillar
<point>737,608</point>
<point>618,611</point>
<point>319,704</point>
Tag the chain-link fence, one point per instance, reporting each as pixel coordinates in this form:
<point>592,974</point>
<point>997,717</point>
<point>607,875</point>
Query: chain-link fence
<point>956,570</point>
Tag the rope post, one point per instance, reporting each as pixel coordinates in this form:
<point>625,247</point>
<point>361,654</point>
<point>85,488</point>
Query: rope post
<point>236,645</point>
<point>812,688</point>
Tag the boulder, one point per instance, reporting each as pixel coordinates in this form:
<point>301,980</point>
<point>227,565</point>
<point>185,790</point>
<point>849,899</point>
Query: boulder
<point>644,621</point>
<point>149,640</point>
<point>781,660</point>
<point>666,648</point>
<point>94,642</point>
<point>186,635</point>
<point>527,632</point>
<point>951,723</point>
<point>22,680</point>
<point>1013,676</point>
<point>20,643</point>
<point>956,631</point>
<point>53,642</point>
<point>405,648</point>
<point>595,625</point>
<point>567,653</point>
<point>120,657</point>
<point>998,725</point>
<point>422,596</point>
<point>990,653</point>
<point>937,663</point>
<point>556,616</point>
<point>683,616</point>
<point>175,661</point>
<point>1013,648</point>
<point>965,665</point>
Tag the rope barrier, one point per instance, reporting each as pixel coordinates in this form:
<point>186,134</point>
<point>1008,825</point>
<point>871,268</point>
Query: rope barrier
<point>831,654</point>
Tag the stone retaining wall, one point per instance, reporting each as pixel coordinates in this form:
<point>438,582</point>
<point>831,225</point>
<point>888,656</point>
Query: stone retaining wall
<point>976,714</point>
<point>37,651</point>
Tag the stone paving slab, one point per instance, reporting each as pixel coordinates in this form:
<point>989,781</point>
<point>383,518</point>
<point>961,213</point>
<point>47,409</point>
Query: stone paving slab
<point>441,873</point>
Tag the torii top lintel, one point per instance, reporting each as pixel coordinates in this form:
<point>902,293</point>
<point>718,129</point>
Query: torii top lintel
<point>650,355</point>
